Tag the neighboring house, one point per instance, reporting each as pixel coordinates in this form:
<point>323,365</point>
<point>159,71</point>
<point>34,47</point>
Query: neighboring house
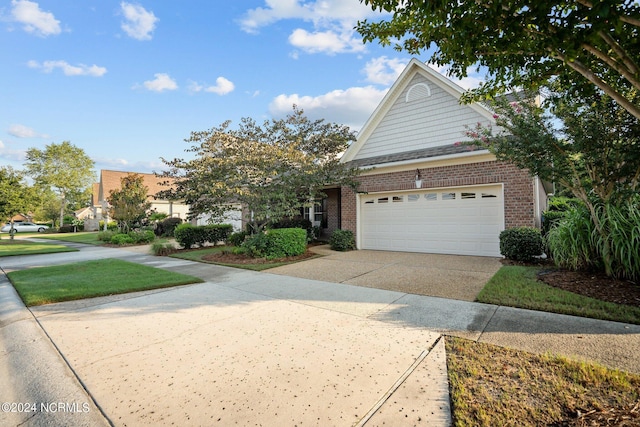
<point>421,191</point>
<point>111,180</point>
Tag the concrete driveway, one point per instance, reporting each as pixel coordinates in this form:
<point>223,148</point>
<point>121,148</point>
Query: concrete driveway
<point>446,276</point>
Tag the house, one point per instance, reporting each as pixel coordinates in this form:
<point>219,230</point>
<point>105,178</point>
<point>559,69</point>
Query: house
<point>111,180</point>
<point>420,191</point>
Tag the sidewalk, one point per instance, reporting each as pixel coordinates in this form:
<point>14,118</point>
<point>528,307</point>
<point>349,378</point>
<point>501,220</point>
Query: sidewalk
<point>334,354</point>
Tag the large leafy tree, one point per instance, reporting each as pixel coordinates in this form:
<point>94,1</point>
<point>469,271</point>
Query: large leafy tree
<point>16,196</point>
<point>522,43</point>
<point>273,169</point>
<point>594,152</point>
<point>63,168</point>
<point>129,204</point>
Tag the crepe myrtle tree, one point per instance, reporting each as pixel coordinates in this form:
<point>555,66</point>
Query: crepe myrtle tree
<point>521,43</point>
<point>129,204</point>
<point>588,144</point>
<point>273,168</point>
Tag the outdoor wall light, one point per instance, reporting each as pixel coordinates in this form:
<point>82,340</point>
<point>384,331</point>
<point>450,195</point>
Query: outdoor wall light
<point>418,179</point>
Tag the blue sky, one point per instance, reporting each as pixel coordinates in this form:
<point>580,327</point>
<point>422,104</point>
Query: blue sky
<point>128,81</point>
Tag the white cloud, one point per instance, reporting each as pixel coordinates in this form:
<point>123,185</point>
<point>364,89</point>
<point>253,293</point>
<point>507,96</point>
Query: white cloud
<point>34,19</point>
<point>222,87</point>
<point>11,157</point>
<point>22,131</point>
<point>351,107</point>
<point>161,83</point>
<point>68,69</point>
<point>384,71</point>
<point>330,42</point>
<point>472,81</point>
<point>139,23</point>
<point>319,12</point>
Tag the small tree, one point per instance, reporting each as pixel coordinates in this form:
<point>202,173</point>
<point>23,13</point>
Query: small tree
<point>595,154</point>
<point>15,195</point>
<point>273,169</point>
<point>63,168</point>
<point>129,205</point>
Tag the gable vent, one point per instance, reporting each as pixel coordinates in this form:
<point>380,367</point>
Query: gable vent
<point>418,91</point>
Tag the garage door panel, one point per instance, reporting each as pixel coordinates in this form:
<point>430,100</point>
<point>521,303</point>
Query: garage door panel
<point>458,221</point>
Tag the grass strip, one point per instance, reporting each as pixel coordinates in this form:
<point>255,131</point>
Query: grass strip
<point>23,247</point>
<point>44,285</point>
<point>495,386</point>
<point>517,286</point>
<point>88,237</point>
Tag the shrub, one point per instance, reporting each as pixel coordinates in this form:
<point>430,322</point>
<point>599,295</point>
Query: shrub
<point>185,235</point>
<point>284,242</point>
<point>122,239</point>
<point>521,243</point>
<point>342,240</point>
<point>67,228</point>
<point>215,233</point>
<point>162,248</point>
<point>106,236</point>
<point>237,238</point>
<point>145,236</point>
<point>303,223</point>
<point>111,225</point>
<point>256,245</point>
<point>167,227</point>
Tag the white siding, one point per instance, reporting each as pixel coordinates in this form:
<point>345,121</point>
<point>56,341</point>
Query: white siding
<point>427,122</point>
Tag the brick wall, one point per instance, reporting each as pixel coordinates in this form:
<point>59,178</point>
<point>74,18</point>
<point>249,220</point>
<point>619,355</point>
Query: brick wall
<point>518,188</point>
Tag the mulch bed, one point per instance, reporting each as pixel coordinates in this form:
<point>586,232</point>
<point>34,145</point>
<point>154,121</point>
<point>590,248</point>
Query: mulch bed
<point>229,258</point>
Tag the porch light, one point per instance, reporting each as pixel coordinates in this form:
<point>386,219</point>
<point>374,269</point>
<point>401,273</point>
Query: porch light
<point>418,179</point>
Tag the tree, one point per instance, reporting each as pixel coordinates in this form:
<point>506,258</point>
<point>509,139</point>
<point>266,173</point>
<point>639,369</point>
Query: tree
<point>63,168</point>
<point>274,169</point>
<point>522,43</point>
<point>595,154</point>
<point>129,205</point>
<point>16,196</point>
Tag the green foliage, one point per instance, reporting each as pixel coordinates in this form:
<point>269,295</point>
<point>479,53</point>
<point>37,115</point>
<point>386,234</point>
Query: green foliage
<point>111,225</point>
<point>68,228</point>
<point>277,243</point>
<point>577,244</point>
<point>106,236</point>
<point>342,240</point>
<point>556,210</point>
<point>122,239</point>
<point>167,227</point>
<point>273,169</point>
<point>16,196</point>
<point>237,238</point>
<point>129,204</point>
<point>162,248</point>
<point>520,43</point>
<point>64,169</point>
<point>142,237</point>
<point>303,223</point>
<point>521,243</point>
<point>188,235</point>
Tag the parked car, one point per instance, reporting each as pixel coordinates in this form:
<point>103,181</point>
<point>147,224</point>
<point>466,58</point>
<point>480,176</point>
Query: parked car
<point>24,227</point>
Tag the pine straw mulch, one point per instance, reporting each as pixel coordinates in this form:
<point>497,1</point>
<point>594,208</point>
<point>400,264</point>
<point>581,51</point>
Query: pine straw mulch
<point>241,259</point>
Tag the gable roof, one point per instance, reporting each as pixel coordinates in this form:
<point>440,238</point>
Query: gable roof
<point>405,130</point>
<point>110,180</point>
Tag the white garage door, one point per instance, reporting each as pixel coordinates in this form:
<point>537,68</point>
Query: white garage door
<point>464,221</point>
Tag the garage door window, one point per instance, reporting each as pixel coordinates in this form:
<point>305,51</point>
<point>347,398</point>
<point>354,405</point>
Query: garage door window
<point>431,196</point>
<point>488,196</point>
<point>448,196</point>
<point>398,199</point>
<point>413,197</point>
<point>468,195</point>
<point>383,200</point>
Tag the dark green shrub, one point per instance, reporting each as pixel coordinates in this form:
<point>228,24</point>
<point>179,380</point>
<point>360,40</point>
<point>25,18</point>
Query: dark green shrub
<point>284,242</point>
<point>105,236</point>
<point>342,240</point>
<point>256,245</point>
<point>303,223</point>
<point>166,227</point>
<point>142,237</point>
<point>186,235</point>
<point>122,239</point>
<point>67,228</point>
<point>215,233</point>
<point>237,238</point>
<point>521,243</point>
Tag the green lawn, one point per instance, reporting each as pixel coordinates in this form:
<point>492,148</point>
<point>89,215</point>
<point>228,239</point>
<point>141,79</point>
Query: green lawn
<point>516,286</point>
<point>23,247</point>
<point>88,237</point>
<point>45,285</point>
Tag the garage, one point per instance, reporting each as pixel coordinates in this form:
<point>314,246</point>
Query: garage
<point>463,221</point>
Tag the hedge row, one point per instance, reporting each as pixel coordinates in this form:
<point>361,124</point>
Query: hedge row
<point>277,243</point>
<point>188,235</point>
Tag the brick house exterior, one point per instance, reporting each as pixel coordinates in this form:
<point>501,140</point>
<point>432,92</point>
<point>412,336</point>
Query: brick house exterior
<point>422,191</point>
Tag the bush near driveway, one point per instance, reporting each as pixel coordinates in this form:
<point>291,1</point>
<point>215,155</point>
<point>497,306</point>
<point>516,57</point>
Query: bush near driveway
<point>521,243</point>
<point>277,243</point>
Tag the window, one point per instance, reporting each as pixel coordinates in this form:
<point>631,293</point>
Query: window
<point>413,197</point>
<point>369,202</point>
<point>448,196</point>
<point>468,196</point>
<point>488,196</point>
<point>418,91</point>
<point>398,199</point>
<point>383,200</point>
<point>431,196</point>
